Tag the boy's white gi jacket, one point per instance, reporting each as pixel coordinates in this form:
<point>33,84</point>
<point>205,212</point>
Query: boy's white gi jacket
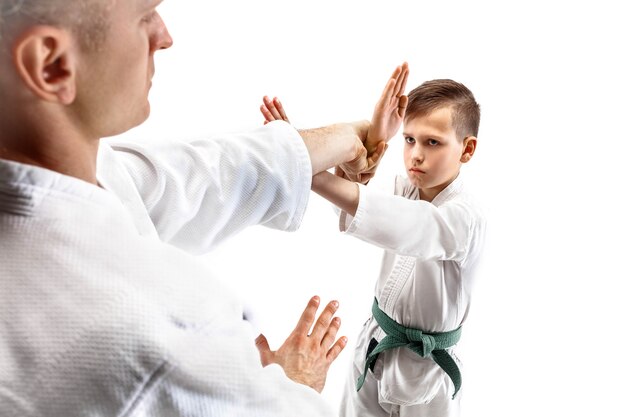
<point>100,318</point>
<point>425,282</point>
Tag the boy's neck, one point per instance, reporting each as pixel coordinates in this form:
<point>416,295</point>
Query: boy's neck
<point>429,194</point>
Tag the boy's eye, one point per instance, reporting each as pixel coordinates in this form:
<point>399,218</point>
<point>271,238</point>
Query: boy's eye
<point>409,139</point>
<point>433,142</point>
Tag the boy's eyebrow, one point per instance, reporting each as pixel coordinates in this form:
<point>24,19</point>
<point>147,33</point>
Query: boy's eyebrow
<point>429,134</point>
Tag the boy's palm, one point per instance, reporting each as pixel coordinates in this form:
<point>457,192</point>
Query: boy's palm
<point>389,110</point>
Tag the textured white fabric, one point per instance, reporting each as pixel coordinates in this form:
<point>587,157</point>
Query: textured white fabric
<point>194,195</point>
<point>100,318</point>
<point>425,282</point>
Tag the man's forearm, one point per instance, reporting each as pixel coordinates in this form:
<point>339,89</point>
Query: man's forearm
<point>334,145</point>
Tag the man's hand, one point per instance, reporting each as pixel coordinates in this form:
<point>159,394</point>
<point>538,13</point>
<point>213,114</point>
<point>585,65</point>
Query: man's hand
<point>362,167</point>
<point>273,110</point>
<point>390,109</point>
<point>306,357</point>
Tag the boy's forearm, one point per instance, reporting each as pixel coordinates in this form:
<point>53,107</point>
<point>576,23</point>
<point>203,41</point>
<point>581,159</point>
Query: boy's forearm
<point>339,191</point>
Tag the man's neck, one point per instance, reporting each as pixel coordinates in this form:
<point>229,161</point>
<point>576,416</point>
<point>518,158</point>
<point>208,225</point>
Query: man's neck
<point>75,158</point>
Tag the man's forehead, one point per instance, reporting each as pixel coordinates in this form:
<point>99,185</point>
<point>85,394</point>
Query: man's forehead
<point>142,5</point>
<point>151,3</point>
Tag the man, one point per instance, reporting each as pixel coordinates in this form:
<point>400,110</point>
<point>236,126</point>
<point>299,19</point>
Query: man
<point>97,315</point>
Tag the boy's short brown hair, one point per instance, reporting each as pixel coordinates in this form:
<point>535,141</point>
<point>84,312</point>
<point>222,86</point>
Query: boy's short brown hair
<point>435,94</point>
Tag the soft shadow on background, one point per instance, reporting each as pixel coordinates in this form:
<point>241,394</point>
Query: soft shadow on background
<point>542,336</point>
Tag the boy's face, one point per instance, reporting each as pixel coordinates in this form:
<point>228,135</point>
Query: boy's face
<point>432,152</point>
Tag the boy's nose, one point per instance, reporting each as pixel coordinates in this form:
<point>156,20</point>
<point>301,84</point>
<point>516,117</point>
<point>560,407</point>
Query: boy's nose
<point>417,154</point>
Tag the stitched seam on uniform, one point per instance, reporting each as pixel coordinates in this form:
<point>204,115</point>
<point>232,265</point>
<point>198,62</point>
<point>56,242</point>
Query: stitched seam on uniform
<point>404,270</point>
<point>303,164</point>
<point>409,267</point>
<point>149,384</point>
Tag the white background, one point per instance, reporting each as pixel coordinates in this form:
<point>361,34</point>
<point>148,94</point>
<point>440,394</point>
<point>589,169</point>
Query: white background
<point>544,334</point>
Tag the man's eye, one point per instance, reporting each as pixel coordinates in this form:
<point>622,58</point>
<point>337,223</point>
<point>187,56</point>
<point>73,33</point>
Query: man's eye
<point>433,142</point>
<point>409,140</point>
<point>150,17</point>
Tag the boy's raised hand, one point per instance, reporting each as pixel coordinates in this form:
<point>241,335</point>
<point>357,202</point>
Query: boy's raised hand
<point>389,110</point>
<point>273,110</point>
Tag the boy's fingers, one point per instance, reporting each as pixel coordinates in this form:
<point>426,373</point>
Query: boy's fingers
<point>269,106</point>
<point>404,101</point>
<point>281,110</point>
<point>272,108</point>
<point>388,91</point>
<point>266,113</point>
<point>402,78</point>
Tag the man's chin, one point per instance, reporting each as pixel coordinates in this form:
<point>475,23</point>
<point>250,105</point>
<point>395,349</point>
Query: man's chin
<point>129,125</point>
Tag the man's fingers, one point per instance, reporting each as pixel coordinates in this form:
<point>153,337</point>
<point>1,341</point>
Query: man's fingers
<point>267,356</point>
<point>308,316</point>
<point>373,160</point>
<point>334,351</point>
<point>324,320</point>
<point>330,335</point>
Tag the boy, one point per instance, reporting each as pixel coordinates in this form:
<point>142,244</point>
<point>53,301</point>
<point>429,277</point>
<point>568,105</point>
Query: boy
<point>432,233</point>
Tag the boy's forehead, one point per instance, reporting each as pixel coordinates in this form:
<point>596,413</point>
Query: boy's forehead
<point>437,122</point>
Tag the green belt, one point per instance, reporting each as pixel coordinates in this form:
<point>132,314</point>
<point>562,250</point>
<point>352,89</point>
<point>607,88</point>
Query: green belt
<point>424,344</point>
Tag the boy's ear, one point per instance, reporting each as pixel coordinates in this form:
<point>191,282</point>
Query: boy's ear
<point>469,146</point>
<point>45,60</point>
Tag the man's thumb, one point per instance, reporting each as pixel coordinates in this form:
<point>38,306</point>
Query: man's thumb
<point>264,350</point>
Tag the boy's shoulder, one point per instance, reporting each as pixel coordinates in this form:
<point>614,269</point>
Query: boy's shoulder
<point>458,193</point>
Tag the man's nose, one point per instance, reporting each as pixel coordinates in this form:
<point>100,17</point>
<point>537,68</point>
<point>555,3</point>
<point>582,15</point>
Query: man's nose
<point>162,38</point>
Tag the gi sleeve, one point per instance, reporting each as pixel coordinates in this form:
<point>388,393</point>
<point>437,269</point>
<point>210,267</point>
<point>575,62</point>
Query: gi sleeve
<point>200,193</point>
<point>412,227</point>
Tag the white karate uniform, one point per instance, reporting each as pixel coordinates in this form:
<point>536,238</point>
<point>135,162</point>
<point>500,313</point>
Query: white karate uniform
<point>100,318</point>
<point>425,282</point>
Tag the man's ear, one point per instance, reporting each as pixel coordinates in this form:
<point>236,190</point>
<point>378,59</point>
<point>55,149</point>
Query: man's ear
<point>469,146</point>
<point>45,60</point>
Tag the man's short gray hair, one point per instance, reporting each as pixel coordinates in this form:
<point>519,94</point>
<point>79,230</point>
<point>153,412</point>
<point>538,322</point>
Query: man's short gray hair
<point>88,19</point>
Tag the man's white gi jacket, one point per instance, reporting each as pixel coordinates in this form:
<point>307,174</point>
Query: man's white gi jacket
<point>99,318</point>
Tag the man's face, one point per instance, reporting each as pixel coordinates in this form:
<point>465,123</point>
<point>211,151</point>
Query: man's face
<point>114,80</point>
<point>432,152</point>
